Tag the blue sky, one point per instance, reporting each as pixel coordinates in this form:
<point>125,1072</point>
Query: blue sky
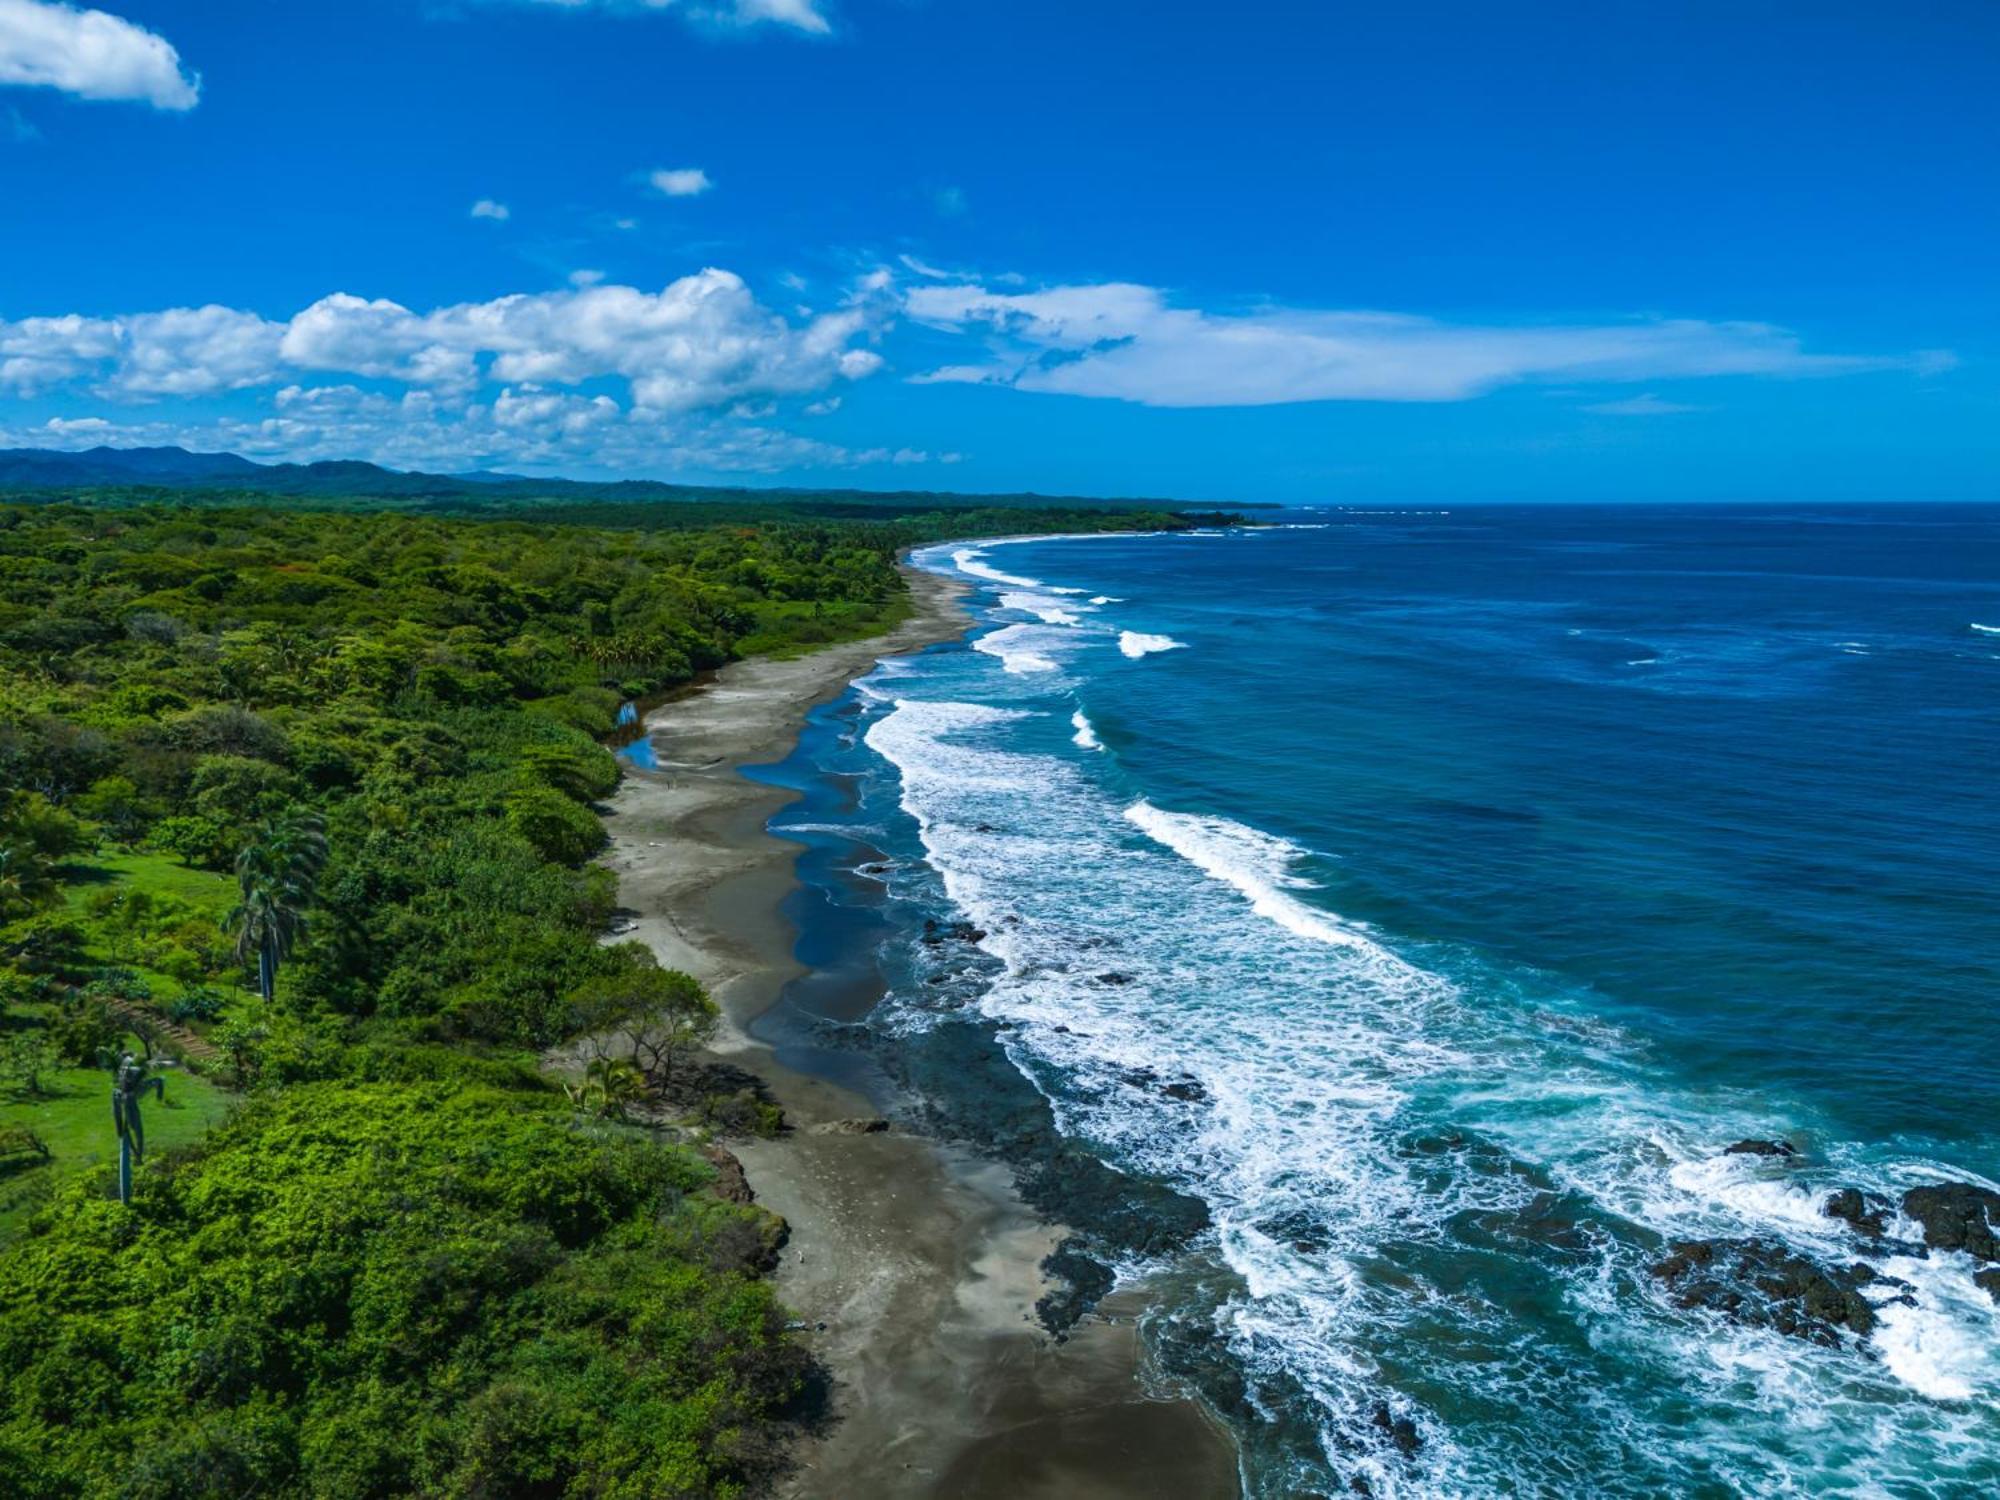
<point>1306,252</point>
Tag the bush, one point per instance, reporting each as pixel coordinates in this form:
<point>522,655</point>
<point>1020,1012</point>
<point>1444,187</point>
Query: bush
<point>197,1003</point>
<point>86,1032</point>
<point>560,830</point>
<point>394,1289</point>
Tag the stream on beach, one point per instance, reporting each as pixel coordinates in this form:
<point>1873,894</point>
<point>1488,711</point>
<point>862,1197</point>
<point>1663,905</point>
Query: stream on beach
<point>1456,961</point>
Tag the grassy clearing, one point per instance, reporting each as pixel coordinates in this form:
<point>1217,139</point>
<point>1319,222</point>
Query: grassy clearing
<point>74,1121</point>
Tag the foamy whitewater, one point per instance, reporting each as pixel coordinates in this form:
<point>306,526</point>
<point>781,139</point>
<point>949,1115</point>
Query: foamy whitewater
<point>1439,1156</point>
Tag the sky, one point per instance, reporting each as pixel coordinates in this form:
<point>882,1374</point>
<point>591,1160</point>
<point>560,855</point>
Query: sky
<point>1301,252</point>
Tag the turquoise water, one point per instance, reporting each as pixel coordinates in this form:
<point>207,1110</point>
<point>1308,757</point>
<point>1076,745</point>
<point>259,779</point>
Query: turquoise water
<point>1432,898</point>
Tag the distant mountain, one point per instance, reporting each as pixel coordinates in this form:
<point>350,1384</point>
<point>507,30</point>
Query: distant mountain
<point>219,474</point>
<point>22,468</point>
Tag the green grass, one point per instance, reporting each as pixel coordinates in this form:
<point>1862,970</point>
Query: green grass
<point>75,1123</point>
<point>158,874</point>
<point>201,896</point>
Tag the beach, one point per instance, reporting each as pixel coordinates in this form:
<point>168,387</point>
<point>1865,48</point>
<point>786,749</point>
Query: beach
<point>913,1264</point>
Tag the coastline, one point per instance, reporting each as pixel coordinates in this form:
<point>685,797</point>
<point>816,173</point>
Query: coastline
<point>914,1265</point>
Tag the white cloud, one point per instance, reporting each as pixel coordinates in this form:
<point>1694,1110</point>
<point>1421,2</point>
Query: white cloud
<point>1647,405</point>
<point>606,377</point>
<point>680,182</point>
<point>487,208</point>
<point>1127,342</point>
<point>800,15</point>
<point>584,276</point>
<point>92,55</point>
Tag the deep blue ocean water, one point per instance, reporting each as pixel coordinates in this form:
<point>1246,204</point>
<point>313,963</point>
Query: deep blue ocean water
<point>1434,896</point>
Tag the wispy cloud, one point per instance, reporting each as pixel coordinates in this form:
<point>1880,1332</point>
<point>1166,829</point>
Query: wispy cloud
<point>487,208</point>
<point>680,182</point>
<point>1127,342</point>
<point>92,55</point>
<point>1647,405</point>
<point>796,15</point>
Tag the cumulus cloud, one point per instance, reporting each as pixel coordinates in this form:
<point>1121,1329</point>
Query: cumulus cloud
<point>487,208</point>
<point>680,182</point>
<point>92,55</point>
<point>702,341</point>
<point>1128,342</point>
<point>604,377</point>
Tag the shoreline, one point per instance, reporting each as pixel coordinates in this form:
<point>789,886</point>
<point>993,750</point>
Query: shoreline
<point>914,1265</point>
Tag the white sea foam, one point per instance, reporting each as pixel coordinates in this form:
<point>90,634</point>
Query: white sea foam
<point>1105,599</point>
<point>1019,648</point>
<point>1136,643</point>
<point>1042,607</point>
<point>1947,1346</point>
<point>967,561</point>
<point>1260,865</point>
<point>1320,1051</point>
<point>1986,629</point>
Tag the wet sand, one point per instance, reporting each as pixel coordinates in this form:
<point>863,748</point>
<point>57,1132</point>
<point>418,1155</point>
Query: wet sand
<point>918,1258</point>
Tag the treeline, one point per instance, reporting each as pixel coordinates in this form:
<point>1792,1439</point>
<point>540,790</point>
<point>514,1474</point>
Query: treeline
<point>409,1263</point>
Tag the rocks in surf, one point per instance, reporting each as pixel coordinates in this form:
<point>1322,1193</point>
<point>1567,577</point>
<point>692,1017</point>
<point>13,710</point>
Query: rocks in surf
<point>1769,1286</point>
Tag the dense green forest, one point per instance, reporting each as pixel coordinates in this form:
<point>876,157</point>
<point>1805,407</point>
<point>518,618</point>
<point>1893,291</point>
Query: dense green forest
<point>300,802</point>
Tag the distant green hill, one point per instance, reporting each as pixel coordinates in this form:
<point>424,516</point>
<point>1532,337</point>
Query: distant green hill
<point>231,478</point>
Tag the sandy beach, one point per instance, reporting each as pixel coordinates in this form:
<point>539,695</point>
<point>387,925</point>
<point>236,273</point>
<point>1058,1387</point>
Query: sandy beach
<point>914,1264</point>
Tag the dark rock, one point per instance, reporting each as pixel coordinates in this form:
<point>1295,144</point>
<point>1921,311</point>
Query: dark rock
<point>1766,1285</point>
<point>956,932</point>
<point>1989,1282</point>
<point>1080,1280</point>
<point>1864,1211</point>
<point>1400,1430</point>
<point>1114,977</point>
<point>1186,1090</point>
<point>1762,1148</point>
<point>730,1185</point>
<point>1299,1227</point>
<point>1957,1216</point>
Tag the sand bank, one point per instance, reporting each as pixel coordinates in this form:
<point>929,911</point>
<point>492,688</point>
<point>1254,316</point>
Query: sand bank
<point>919,1258</point>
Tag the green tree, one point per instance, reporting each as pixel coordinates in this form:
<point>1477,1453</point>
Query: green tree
<point>656,1015</point>
<point>276,874</point>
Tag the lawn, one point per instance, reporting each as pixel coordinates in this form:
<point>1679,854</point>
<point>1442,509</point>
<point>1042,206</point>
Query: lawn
<point>75,1123</point>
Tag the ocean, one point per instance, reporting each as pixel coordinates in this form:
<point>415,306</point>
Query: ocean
<point>1372,930</point>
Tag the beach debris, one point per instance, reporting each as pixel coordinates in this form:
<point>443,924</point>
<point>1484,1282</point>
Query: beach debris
<point>859,1125</point>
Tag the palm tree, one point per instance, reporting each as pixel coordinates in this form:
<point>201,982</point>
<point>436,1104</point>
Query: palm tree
<point>25,880</point>
<point>276,874</point>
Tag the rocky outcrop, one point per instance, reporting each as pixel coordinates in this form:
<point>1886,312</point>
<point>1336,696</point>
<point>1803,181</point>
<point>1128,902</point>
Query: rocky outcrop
<point>1865,1212</point>
<point>1761,1148</point>
<point>1957,1216</point>
<point>730,1185</point>
<point>1768,1286</point>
